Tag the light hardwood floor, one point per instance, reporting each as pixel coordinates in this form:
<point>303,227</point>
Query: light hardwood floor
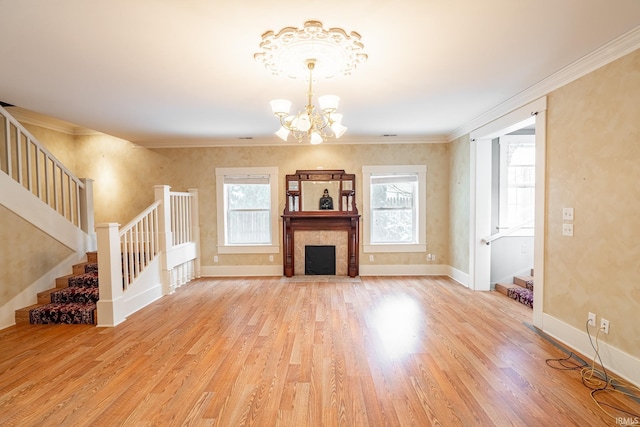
<point>375,351</point>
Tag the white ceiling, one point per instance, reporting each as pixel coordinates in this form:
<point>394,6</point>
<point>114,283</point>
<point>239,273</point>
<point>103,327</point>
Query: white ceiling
<point>183,71</point>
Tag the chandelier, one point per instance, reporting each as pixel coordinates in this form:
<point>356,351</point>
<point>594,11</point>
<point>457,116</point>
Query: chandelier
<point>311,50</point>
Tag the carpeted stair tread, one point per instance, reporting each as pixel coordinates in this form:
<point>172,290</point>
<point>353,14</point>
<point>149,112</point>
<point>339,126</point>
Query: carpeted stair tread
<point>503,288</point>
<point>85,267</point>
<point>75,294</point>
<point>70,313</point>
<point>89,280</point>
<point>522,295</point>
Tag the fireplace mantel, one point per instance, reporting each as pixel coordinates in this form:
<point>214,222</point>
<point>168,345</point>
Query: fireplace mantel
<point>321,220</point>
<point>304,210</point>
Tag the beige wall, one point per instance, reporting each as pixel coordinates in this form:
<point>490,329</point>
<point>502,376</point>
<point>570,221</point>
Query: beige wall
<point>459,199</point>
<point>60,144</point>
<point>124,176</point>
<point>26,254</point>
<point>593,165</point>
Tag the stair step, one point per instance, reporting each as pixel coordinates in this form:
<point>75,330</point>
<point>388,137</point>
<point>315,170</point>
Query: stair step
<point>75,294</point>
<point>524,281</point>
<point>92,256</point>
<point>22,315</point>
<point>44,297</point>
<point>522,295</point>
<point>503,288</point>
<point>89,280</point>
<point>73,313</point>
<point>85,267</point>
<point>63,281</point>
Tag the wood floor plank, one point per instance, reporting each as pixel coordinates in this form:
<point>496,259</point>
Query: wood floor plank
<point>371,351</point>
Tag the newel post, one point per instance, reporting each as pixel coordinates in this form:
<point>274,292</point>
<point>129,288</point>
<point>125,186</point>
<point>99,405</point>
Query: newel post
<point>165,237</point>
<point>195,228</point>
<point>111,310</point>
<point>86,210</point>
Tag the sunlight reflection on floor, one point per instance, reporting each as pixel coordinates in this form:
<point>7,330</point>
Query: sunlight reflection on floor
<point>398,321</point>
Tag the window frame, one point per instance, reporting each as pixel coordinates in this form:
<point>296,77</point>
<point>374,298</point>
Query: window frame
<point>421,206</point>
<point>504,143</point>
<point>225,248</point>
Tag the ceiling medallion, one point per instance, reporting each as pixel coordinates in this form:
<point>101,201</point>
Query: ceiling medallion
<point>335,52</point>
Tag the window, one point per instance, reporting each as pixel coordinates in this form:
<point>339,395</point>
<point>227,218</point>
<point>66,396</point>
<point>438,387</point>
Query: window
<point>517,180</point>
<point>395,208</point>
<point>247,198</point>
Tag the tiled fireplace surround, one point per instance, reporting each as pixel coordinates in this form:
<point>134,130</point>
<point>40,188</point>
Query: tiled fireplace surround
<point>336,238</point>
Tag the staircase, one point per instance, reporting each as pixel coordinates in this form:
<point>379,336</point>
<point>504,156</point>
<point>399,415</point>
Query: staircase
<point>73,300</point>
<point>520,290</point>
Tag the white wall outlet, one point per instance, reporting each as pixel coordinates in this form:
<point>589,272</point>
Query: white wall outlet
<point>567,214</point>
<point>591,319</point>
<point>567,230</point>
<point>271,258</point>
<point>604,325</point>
<point>371,258</point>
<point>215,258</point>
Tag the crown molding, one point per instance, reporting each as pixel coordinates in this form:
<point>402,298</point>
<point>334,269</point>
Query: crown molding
<point>273,141</point>
<point>30,117</point>
<point>600,57</point>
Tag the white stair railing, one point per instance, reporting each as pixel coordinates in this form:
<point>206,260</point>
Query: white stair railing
<point>151,256</point>
<point>139,244</point>
<point>528,223</point>
<point>29,163</point>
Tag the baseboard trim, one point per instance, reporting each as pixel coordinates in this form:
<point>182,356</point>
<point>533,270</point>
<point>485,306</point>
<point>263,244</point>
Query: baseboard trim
<point>365,270</point>
<point>459,276</point>
<point>621,364</point>
<point>240,270</point>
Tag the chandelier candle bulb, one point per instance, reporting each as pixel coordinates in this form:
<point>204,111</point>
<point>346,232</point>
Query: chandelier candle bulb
<point>280,107</point>
<point>294,52</point>
<point>329,103</point>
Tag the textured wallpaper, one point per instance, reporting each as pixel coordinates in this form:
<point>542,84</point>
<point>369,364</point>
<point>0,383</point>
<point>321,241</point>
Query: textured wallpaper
<point>26,254</point>
<point>593,166</point>
<point>459,199</point>
<point>125,175</point>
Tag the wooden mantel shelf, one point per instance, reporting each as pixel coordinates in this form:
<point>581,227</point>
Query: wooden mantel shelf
<point>321,220</point>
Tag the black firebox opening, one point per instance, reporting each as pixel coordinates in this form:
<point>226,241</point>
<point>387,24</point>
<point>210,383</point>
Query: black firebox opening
<point>319,260</point>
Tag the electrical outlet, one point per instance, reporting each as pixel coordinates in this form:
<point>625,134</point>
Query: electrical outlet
<point>567,230</point>
<point>215,258</point>
<point>271,258</point>
<point>370,258</point>
<point>591,319</point>
<point>567,214</point>
<point>604,325</point>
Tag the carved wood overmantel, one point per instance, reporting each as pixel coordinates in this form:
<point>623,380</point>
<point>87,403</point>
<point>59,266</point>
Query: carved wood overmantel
<point>305,211</point>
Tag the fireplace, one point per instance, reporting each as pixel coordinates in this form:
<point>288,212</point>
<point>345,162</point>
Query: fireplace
<point>340,231</point>
<point>304,223</point>
<point>319,260</point>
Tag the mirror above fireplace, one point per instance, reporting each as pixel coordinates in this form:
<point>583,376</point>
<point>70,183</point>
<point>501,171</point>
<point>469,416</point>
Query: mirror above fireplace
<point>320,191</point>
